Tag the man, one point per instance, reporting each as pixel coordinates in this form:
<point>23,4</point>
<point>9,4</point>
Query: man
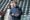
<point>15,11</point>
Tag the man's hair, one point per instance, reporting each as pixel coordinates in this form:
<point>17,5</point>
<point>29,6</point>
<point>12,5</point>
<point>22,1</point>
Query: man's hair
<point>14,2</point>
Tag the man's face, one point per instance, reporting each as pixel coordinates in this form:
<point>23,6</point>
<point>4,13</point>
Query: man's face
<point>13,4</point>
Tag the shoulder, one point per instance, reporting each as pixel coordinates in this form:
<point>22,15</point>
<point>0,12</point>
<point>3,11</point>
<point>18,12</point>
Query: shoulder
<point>17,6</point>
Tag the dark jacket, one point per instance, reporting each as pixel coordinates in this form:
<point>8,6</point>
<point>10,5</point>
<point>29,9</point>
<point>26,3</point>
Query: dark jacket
<point>20,12</point>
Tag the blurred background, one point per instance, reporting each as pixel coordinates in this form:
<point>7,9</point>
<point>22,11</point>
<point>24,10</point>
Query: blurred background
<point>24,4</point>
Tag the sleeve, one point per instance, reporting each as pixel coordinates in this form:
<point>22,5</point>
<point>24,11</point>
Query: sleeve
<point>20,11</point>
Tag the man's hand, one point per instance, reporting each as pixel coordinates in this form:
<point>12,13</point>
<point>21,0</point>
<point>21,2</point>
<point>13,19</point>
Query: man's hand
<point>16,15</point>
<point>12,14</point>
